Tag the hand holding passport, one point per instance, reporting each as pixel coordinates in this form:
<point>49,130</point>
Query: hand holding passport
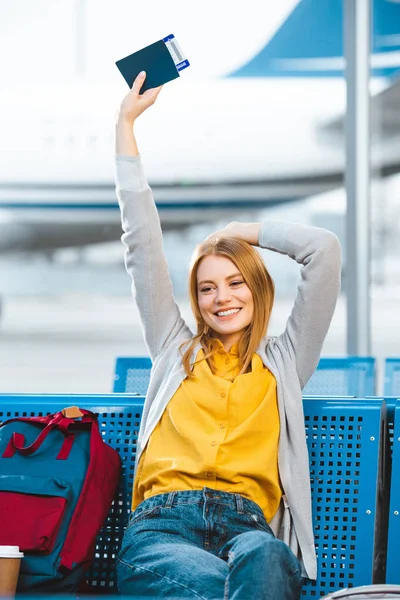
<point>162,62</point>
<point>135,102</point>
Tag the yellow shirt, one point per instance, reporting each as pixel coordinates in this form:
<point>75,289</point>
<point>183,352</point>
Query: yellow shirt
<point>219,431</point>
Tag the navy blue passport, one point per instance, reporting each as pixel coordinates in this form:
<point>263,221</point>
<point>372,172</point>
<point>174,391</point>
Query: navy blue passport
<point>155,59</point>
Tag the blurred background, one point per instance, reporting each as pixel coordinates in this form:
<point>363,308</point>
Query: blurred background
<point>252,130</point>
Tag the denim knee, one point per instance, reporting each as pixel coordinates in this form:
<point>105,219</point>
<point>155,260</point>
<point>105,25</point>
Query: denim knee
<point>267,550</point>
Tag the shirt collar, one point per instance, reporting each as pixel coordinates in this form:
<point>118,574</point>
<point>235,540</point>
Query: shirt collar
<point>216,344</point>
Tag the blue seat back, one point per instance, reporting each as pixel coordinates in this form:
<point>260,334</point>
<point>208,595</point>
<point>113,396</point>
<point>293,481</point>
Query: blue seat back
<point>344,443</point>
<point>132,375</point>
<point>352,376</point>
<point>392,377</point>
<point>343,437</point>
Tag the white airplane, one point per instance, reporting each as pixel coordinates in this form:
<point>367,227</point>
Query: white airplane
<point>268,133</point>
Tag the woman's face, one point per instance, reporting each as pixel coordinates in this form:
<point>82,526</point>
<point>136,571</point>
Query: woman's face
<point>221,288</point>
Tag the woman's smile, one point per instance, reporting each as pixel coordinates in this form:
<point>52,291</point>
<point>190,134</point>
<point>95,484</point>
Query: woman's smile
<point>228,314</point>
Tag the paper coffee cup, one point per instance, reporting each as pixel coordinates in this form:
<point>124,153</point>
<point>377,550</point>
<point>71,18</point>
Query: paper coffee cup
<point>10,562</point>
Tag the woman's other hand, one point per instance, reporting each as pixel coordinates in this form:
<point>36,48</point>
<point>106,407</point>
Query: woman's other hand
<point>135,103</point>
<point>248,232</point>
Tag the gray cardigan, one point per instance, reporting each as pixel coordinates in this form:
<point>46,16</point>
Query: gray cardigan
<point>292,356</point>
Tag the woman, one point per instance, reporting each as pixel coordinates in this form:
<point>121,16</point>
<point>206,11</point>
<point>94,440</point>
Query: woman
<point>221,500</point>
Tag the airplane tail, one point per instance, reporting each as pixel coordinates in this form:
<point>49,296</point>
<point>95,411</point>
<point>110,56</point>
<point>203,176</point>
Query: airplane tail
<point>310,43</point>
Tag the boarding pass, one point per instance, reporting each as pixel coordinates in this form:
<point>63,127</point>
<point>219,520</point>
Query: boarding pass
<point>177,55</point>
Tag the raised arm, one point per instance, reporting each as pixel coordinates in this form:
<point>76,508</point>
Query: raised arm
<point>144,256</point>
<point>318,252</point>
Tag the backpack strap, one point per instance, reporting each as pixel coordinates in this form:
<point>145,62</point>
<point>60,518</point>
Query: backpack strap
<point>57,420</point>
<point>101,481</point>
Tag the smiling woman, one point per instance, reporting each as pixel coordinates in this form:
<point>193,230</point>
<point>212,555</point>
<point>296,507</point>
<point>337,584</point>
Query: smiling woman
<point>234,303</point>
<point>221,496</point>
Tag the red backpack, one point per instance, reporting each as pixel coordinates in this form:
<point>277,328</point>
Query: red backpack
<point>58,479</point>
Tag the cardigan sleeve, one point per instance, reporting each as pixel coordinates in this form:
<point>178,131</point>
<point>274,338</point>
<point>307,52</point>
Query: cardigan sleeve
<point>144,256</point>
<point>319,254</point>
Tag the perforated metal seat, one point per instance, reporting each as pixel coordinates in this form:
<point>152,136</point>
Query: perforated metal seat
<point>343,438</point>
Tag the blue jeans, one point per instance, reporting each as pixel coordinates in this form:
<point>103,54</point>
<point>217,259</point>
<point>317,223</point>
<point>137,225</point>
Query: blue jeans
<point>205,544</point>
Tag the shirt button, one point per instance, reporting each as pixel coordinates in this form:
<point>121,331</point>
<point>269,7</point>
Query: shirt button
<point>213,443</point>
<point>209,474</point>
<point>223,394</point>
<point>222,426</point>
<point>226,361</point>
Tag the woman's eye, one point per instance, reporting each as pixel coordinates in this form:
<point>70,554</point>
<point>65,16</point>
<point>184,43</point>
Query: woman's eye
<point>236,282</point>
<point>206,289</point>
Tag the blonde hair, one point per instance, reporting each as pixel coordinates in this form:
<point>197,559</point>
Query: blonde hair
<point>256,276</point>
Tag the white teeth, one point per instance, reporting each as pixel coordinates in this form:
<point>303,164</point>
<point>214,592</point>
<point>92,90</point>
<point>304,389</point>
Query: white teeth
<point>225,313</point>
